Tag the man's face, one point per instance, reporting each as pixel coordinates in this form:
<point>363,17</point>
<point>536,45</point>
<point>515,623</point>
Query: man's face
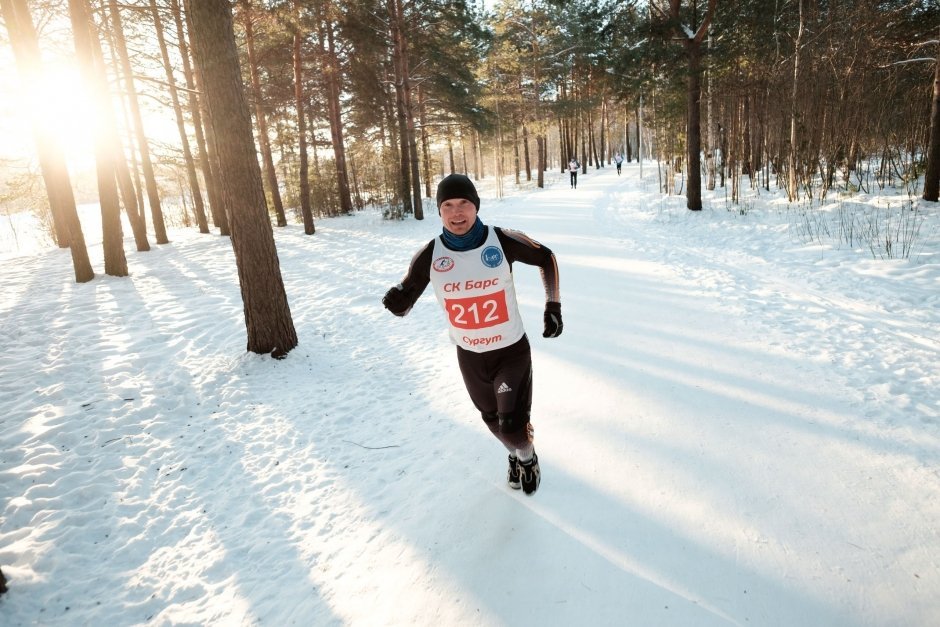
<point>458,215</point>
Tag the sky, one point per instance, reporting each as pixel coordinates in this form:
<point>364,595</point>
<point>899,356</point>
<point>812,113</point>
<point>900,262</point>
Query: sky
<point>740,425</point>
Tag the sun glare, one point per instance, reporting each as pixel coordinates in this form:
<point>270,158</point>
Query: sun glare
<point>59,102</point>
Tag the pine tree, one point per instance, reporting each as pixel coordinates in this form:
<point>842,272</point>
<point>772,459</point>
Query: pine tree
<point>267,313</point>
<point>19,24</point>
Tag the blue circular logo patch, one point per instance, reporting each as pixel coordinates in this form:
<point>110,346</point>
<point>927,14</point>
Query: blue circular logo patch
<point>491,256</point>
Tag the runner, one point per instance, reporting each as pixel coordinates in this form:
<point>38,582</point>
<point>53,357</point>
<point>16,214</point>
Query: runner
<point>470,267</point>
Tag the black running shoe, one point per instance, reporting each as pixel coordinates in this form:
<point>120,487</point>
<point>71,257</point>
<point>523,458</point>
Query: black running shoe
<point>530,474</point>
<point>513,476</point>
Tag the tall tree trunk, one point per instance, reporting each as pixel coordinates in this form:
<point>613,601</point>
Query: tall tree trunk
<point>355,180</point>
<point>207,162</point>
<point>932,175</point>
<point>450,153</point>
<point>55,174</point>
<point>711,124</point>
<point>542,158</point>
<point>791,159</point>
<point>525,152</point>
<point>331,72</point>
<point>404,184</point>
<point>409,142</point>
<point>425,143</point>
<point>150,179</point>
<point>115,263</point>
<point>734,151</point>
<point>639,134</point>
<point>693,160</point>
<point>498,152</point>
<point>463,155</point>
<point>264,141</point>
<point>746,135</point>
<point>628,144</point>
<point>267,313</point>
<point>305,210</point>
<point>592,142</point>
<point>564,143</point>
<point>97,77</point>
<point>128,176</point>
<point>220,212</point>
<point>188,162</point>
<point>131,160</point>
<point>540,138</point>
<point>693,48</point>
<point>129,194</point>
<point>395,184</point>
<point>583,132</point>
<point>477,150</point>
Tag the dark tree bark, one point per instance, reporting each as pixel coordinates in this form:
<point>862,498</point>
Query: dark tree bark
<point>267,313</point>
<point>143,147</point>
<point>261,119</point>
<point>693,49</point>
<point>115,262</point>
<point>333,88</point>
<point>305,209</point>
<point>129,193</point>
<point>417,205</point>
<point>55,174</point>
<point>932,175</point>
<point>792,189</point>
<point>450,153</point>
<point>207,162</point>
<point>425,142</point>
<point>400,79</point>
<point>188,163</point>
<point>639,137</point>
<point>592,142</point>
<point>694,140</point>
<point>93,67</point>
<point>525,151</point>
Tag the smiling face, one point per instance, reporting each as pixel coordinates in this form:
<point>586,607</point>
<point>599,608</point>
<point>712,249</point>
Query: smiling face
<point>458,215</point>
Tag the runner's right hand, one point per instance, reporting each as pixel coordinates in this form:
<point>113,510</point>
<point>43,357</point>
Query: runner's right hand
<point>396,301</point>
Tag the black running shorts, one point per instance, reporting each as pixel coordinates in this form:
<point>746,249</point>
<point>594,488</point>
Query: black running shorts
<point>500,381</point>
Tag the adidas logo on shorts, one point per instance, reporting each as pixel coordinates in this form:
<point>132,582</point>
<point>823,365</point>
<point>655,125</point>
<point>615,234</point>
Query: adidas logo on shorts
<point>503,388</point>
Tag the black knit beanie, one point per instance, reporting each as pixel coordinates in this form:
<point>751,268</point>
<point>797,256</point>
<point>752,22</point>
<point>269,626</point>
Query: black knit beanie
<point>457,186</point>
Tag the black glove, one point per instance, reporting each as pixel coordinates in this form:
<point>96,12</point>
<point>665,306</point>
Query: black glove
<point>552,318</point>
<point>396,301</point>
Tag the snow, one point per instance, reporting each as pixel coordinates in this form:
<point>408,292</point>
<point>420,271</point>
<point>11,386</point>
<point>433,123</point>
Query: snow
<point>738,426</point>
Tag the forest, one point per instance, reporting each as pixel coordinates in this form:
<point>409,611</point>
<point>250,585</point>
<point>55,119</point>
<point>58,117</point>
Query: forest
<point>290,110</point>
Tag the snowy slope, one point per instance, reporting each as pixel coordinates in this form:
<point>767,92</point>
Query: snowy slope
<point>735,428</point>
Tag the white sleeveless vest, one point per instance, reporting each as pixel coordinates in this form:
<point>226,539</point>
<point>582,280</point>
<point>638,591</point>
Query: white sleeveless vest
<point>475,289</point>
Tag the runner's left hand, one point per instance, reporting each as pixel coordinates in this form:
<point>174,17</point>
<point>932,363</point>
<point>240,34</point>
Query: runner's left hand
<point>552,319</point>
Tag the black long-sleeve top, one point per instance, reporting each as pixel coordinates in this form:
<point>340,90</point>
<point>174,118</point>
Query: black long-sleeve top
<point>516,245</point>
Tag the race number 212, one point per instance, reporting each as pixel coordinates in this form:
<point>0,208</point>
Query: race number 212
<point>477,312</point>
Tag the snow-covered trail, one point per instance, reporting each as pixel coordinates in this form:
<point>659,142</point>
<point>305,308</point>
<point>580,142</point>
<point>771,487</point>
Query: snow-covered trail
<point>747,461</point>
<point>724,435</point>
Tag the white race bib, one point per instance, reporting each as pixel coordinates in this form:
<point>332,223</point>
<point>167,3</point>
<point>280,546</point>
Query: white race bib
<point>476,290</point>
